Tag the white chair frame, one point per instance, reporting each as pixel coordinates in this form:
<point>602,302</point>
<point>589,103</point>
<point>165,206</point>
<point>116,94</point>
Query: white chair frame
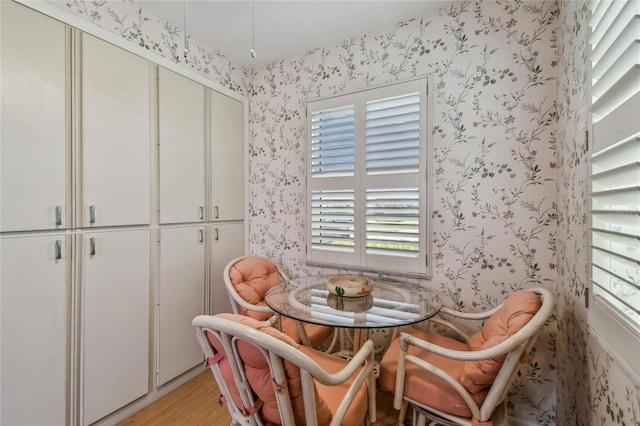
<point>237,302</point>
<point>494,406</point>
<point>276,351</point>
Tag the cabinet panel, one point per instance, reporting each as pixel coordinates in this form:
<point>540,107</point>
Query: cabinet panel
<point>115,320</point>
<point>115,135</point>
<point>181,292</point>
<point>181,137</point>
<point>227,243</point>
<point>34,120</point>
<point>35,330</point>
<point>228,175</point>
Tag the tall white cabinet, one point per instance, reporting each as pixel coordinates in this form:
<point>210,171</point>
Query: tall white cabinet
<point>35,89</point>
<point>35,329</point>
<point>115,319</point>
<point>114,100</point>
<point>113,233</point>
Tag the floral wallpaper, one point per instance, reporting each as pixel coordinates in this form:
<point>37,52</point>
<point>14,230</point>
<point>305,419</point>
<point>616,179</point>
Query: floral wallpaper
<point>509,166</point>
<point>610,397</point>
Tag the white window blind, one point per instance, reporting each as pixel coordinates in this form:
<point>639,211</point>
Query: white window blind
<point>367,198</point>
<point>615,179</point>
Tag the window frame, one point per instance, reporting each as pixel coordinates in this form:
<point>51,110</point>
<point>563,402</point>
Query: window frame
<point>360,260</point>
<point>611,128</point>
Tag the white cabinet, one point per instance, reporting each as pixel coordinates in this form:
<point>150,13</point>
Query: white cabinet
<point>181,133</point>
<point>35,306</point>
<point>90,140</point>
<point>115,319</point>
<point>228,174</point>
<point>34,120</point>
<point>116,148</point>
<point>227,243</point>
<point>181,290</point>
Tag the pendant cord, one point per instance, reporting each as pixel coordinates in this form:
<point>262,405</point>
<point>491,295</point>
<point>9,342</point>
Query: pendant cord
<point>184,17</point>
<point>253,29</point>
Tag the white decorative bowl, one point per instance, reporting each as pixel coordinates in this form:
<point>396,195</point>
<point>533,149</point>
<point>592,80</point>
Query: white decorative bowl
<point>350,286</point>
<point>350,304</point>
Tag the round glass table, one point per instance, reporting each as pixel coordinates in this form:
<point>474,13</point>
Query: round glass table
<point>390,303</point>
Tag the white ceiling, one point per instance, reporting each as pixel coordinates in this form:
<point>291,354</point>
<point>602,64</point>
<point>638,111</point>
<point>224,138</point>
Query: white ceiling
<point>283,29</point>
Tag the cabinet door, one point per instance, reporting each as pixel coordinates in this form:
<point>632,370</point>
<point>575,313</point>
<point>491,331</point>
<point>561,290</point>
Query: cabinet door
<point>115,136</point>
<point>34,120</point>
<point>228,174</point>
<point>115,320</point>
<point>35,330</point>
<point>182,160</point>
<point>181,292</point>
<point>227,243</point>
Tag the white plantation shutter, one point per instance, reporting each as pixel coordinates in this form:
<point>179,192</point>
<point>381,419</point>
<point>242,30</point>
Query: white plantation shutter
<point>367,198</point>
<point>333,142</point>
<point>615,179</point>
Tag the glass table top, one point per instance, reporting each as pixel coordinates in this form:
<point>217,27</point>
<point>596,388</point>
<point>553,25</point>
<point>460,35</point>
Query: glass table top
<point>390,303</point>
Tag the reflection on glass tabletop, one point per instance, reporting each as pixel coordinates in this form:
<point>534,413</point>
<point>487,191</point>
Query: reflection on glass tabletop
<point>390,303</point>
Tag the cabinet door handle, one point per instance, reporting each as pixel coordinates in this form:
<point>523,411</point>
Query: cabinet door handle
<point>217,212</point>
<point>58,254</point>
<point>92,246</point>
<point>201,212</point>
<point>58,215</point>
<point>92,214</point>
<point>217,237</point>
<point>201,236</point>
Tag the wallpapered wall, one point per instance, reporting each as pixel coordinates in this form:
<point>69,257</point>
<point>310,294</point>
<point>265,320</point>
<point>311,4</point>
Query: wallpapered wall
<point>611,397</point>
<point>509,164</point>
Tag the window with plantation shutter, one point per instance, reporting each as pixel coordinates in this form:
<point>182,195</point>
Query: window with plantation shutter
<point>367,187</point>
<point>615,179</point>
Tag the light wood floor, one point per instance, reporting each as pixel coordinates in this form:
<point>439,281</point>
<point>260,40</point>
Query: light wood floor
<point>196,403</point>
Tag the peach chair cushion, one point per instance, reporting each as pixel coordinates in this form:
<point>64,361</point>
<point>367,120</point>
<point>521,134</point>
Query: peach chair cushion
<point>252,277</point>
<point>259,376</point>
<point>423,386</point>
<point>517,310</point>
<point>316,333</point>
<point>225,369</point>
<point>475,376</point>
<point>333,395</point>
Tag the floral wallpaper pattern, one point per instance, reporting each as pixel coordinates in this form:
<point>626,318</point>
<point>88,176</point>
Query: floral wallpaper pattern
<point>611,397</point>
<point>509,166</point>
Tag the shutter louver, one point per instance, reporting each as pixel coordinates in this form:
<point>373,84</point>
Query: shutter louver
<point>393,135</point>
<point>333,142</point>
<point>392,222</point>
<point>332,220</point>
<point>615,179</point>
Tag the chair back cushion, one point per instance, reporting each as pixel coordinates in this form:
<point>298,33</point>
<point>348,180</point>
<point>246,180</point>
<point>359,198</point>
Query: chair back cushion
<point>517,310</point>
<point>260,378</point>
<point>252,277</point>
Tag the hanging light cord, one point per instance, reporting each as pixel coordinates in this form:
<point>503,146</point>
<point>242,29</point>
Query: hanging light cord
<point>253,29</point>
<point>184,17</point>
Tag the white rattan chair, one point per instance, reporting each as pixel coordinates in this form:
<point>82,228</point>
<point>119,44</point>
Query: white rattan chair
<point>265,377</point>
<point>248,278</point>
<point>466,380</point>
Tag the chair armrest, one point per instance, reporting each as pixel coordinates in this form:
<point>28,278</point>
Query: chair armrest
<point>469,315</point>
<point>500,349</point>
<point>463,334</point>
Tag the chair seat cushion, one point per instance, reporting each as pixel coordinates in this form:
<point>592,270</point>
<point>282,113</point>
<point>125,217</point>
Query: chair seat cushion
<point>333,395</point>
<point>421,385</point>
<point>316,333</point>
